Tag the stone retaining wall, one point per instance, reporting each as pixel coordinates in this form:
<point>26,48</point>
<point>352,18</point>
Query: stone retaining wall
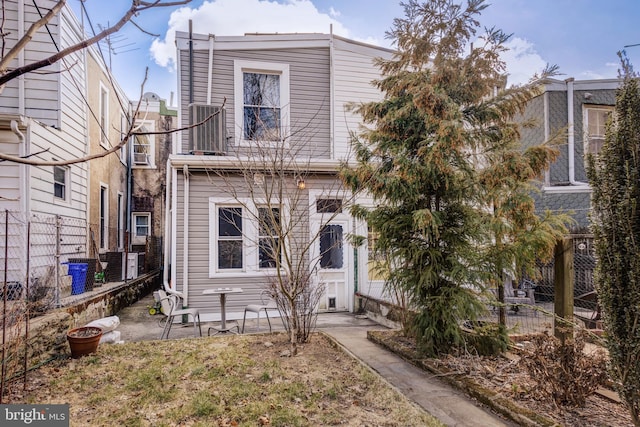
<point>379,311</point>
<point>47,333</point>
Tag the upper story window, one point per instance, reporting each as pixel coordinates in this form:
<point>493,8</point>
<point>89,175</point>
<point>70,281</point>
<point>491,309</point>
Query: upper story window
<point>104,116</point>
<point>143,147</point>
<point>104,216</point>
<point>595,124</point>
<point>261,93</point>
<point>60,179</point>
<point>141,227</point>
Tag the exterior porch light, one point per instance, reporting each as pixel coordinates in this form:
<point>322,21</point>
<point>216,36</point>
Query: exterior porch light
<point>301,184</point>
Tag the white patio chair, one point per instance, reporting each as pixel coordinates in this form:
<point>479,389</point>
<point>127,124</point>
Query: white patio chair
<point>267,303</point>
<point>171,307</point>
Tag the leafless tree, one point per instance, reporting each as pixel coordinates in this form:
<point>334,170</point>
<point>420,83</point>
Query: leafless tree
<point>270,180</point>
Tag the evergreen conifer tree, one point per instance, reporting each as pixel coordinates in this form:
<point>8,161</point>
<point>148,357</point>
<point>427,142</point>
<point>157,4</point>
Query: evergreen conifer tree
<point>434,158</point>
<point>615,220</point>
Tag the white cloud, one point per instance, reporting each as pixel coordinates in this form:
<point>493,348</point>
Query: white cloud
<point>236,17</point>
<point>591,75</point>
<point>522,61</point>
<point>333,12</point>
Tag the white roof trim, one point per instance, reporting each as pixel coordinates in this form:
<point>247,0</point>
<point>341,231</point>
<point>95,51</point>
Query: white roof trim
<point>236,163</point>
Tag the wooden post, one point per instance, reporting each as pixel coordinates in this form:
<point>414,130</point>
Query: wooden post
<point>563,289</point>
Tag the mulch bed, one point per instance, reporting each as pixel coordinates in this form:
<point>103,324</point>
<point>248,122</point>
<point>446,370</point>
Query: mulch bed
<point>500,383</point>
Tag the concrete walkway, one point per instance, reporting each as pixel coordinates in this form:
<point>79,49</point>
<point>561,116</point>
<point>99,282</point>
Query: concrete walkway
<point>436,397</point>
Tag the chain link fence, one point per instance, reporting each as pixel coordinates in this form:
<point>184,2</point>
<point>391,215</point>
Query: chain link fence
<point>48,261</point>
<point>539,314</point>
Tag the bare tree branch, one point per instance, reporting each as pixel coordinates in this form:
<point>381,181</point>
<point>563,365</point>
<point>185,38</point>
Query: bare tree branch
<point>137,6</point>
<point>5,60</point>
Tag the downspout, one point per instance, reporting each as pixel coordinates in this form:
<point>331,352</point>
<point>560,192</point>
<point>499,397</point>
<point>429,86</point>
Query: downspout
<point>21,101</point>
<point>127,233</point>
<point>210,73</point>
<point>571,135</point>
<point>190,62</point>
<point>545,103</point>
<point>185,225</point>
<point>173,262</point>
<point>24,171</point>
<point>331,95</point>
<point>24,184</point>
<point>167,227</point>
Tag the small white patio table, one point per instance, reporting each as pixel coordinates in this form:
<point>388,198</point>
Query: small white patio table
<point>223,315</point>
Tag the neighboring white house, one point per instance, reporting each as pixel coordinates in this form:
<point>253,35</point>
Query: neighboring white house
<point>58,113</point>
<point>299,86</point>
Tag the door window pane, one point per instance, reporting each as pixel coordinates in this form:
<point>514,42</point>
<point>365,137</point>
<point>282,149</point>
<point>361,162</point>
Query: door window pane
<point>331,252</point>
<point>329,206</point>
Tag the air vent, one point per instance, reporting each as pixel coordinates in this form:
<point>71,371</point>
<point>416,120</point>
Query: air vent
<point>209,137</point>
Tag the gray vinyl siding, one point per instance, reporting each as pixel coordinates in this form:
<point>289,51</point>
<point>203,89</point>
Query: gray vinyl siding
<point>10,172</point>
<point>354,72</point>
<point>309,92</point>
<point>41,86</point>
<point>42,200</point>
<point>202,186</point>
<point>73,90</point>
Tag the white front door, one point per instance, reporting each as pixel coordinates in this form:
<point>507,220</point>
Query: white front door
<point>332,269</point>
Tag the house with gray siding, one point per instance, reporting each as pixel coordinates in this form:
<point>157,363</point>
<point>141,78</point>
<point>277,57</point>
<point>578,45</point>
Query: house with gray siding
<point>266,112</point>
<point>574,112</point>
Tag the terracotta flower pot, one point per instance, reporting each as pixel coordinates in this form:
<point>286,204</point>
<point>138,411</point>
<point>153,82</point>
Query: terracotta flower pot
<point>84,340</point>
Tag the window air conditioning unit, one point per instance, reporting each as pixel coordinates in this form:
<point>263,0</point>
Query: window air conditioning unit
<point>140,158</point>
<point>209,137</point>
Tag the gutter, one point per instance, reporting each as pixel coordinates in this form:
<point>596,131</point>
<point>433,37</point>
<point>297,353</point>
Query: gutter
<point>241,163</point>
<point>571,136</point>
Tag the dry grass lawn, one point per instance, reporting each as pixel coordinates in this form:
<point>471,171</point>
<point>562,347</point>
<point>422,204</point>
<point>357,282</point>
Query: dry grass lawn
<point>224,381</point>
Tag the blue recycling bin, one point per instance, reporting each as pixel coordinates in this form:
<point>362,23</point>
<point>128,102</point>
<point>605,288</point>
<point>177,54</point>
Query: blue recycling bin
<point>78,273</point>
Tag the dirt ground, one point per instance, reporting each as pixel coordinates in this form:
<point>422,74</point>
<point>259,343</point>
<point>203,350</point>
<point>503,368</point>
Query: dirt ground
<point>507,378</point>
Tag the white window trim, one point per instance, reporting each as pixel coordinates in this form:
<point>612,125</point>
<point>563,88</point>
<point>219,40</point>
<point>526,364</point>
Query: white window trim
<point>150,125</point>
<point>250,236</point>
<point>67,185</point>
<point>104,247</point>
<point>239,67</point>
<point>104,129</point>
<point>585,124</point>
<point>135,238</point>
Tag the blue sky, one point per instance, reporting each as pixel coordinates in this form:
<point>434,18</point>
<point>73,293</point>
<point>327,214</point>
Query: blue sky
<point>582,37</point>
